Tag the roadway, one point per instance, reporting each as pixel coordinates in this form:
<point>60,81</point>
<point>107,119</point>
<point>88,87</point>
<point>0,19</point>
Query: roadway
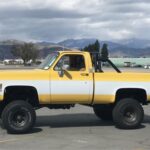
<point>77,129</point>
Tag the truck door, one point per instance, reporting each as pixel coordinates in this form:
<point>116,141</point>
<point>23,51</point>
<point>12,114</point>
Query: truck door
<point>71,82</point>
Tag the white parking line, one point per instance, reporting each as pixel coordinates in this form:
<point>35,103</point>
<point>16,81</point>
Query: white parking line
<point>9,140</point>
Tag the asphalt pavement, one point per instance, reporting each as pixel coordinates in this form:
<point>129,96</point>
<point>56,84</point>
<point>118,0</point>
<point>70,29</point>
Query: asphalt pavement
<point>77,129</point>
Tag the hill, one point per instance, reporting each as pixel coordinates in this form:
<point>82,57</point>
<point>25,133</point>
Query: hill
<point>122,48</point>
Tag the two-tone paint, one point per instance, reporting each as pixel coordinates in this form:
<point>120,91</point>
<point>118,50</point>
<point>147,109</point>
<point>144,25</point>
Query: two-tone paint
<point>83,87</point>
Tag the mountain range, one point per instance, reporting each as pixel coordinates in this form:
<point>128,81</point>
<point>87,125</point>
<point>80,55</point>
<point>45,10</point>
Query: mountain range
<point>122,48</point>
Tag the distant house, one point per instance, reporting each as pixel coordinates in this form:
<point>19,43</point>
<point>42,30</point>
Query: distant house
<point>7,61</point>
<point>18,61</point>
<point>13,61</point>
<point>129,64</point>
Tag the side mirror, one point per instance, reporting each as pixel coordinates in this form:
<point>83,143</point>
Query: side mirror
<point>61,72</point>
<point>61,68</point>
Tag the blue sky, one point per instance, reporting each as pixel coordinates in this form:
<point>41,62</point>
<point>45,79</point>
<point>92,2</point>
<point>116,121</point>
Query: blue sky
<point>56,20</point>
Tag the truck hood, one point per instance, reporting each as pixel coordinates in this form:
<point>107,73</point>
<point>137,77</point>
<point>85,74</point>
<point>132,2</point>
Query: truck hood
<point>31,74</point>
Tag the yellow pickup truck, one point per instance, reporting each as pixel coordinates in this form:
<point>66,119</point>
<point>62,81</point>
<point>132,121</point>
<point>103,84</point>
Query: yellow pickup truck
<point>67,78</point>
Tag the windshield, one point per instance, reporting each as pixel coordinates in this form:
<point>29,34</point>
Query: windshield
<point>48,61</point>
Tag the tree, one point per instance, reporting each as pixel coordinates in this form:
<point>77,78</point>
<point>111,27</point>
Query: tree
<point>94,50</point>
<point>95,47</point>
<point>98,54</point>
<point>104,51</point>
<point>26,52</point>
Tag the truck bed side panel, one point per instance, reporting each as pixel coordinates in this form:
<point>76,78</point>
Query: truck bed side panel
<point>107,84</point>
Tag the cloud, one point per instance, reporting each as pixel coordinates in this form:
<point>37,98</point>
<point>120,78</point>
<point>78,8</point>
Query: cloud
<point>55,20</point>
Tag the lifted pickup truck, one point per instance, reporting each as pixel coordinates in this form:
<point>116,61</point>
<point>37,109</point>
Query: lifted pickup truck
<point>67,78</point>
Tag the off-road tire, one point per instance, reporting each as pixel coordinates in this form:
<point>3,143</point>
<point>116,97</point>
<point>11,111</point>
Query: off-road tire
<point>128,114</point>
<point>18,117</point>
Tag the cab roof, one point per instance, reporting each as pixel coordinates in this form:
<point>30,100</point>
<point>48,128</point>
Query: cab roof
<point>71,51</point>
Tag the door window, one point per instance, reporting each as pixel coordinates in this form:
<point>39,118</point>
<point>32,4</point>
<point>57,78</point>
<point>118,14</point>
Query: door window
<point>71,63</point>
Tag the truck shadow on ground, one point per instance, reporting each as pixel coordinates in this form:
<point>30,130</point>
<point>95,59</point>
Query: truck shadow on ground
<point>146,119</point>
<point>71,120</point>
<point>74,120</point>
<point>77,120</point>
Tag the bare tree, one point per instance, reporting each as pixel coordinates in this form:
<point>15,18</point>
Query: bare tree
<point>26,52</point>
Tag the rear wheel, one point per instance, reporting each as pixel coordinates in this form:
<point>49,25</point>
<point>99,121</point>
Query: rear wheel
<point>128,114</point>
<point>103,112</point>
<point>18,117</point>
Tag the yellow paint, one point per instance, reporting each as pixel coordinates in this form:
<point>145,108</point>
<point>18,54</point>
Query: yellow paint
<point>104,99</point>
<point>122,77</point>
<point>70,99</point>
<point>148,97</point>
<point>44,98</point>
<point>1,97</point>
<point>35,74</point>
<point>81,99</point>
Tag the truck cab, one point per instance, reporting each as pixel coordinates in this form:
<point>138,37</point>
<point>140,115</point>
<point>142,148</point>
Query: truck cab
<point>71,79</point>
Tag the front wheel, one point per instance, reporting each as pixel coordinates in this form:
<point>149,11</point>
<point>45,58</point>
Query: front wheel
<point>128,114</point>
<point>18,117</point>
